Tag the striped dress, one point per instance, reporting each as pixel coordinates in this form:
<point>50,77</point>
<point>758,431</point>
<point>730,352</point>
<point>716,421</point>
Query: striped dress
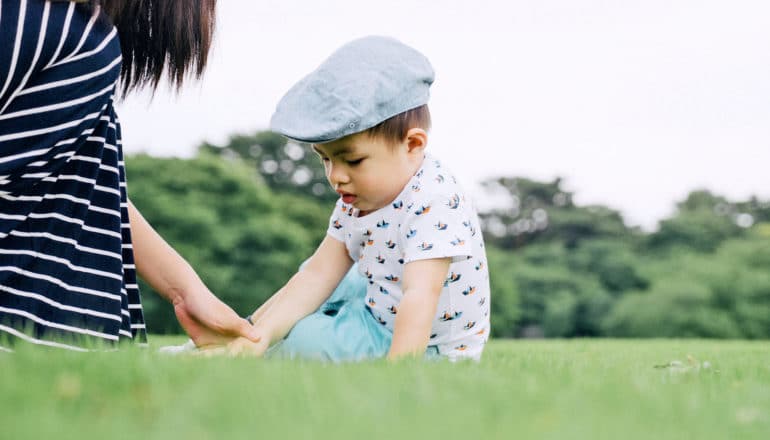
<point>67,275</point>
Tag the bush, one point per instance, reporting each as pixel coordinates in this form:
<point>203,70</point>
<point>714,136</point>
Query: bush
<point>243,240</point>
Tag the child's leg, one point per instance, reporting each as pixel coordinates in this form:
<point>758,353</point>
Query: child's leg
<point>342,329</point>
<point>343,291</point>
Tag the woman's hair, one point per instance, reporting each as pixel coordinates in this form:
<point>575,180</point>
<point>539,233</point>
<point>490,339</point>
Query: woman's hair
<point>394,129</point>
<point>160,38</point>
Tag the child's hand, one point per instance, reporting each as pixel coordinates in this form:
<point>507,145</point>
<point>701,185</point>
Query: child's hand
<point>245,347</point>
<point>237,347</point>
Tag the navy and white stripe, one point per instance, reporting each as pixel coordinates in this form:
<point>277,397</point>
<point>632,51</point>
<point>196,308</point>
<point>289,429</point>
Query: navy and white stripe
<point>67,274</point>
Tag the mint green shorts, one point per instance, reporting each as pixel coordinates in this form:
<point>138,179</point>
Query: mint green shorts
<point>343,329</point>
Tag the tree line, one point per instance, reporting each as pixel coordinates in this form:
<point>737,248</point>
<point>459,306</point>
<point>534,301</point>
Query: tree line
<point>246,214</point>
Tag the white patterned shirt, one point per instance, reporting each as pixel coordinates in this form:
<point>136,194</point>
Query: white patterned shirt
<point>430,218</point>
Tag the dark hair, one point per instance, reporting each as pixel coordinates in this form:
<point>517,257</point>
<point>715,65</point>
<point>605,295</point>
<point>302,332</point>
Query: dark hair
<point>394,129</point>
<point>160,38</point>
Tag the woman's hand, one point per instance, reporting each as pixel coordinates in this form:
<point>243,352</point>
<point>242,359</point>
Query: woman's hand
<point>209,322</point>
<point>203,316</point>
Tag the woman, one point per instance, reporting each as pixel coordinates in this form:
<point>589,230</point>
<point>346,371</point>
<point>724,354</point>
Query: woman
<point>69,235</point>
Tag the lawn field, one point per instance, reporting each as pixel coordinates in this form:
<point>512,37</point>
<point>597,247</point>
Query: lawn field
<point>575,389</point>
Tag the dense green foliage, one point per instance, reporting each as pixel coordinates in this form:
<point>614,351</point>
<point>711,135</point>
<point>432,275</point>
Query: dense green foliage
<point>577,389</point>
<point>724,294</point>
<point>243,239</point>
<point>284,165</point>
<point>245,221</point>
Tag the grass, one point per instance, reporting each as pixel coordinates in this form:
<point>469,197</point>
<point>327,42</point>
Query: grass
<point>577,389</point>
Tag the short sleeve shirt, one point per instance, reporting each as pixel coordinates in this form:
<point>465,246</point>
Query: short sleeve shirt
<point>430,218</point>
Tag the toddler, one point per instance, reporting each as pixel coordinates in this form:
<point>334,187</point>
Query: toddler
<point>402,270</point>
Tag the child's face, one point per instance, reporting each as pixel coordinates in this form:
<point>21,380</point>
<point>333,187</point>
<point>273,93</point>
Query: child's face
<point>368,172</point>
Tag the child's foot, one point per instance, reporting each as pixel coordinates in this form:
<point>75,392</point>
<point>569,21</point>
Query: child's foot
<point>187,347</point>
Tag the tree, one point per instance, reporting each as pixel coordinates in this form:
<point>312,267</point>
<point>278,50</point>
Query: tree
<point>550,298</point>
<point>556,269</point>
<point>505,302</point>
<point>243,240</point>
<point>544,212</point>
<point>702,221</point>
<point>285,166</point>
<point>724,294</point>
<point>614,262</point>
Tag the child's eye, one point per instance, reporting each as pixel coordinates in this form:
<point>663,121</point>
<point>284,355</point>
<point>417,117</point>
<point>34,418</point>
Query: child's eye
<point>355,162</point>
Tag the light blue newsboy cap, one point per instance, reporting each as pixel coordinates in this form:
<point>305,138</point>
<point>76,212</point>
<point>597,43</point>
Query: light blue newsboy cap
<point>360,85</point>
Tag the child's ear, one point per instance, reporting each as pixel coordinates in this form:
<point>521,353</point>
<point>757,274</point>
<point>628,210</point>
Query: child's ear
<point>416,140</point>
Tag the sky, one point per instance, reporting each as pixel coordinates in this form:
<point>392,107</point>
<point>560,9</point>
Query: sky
<point>634,104</point>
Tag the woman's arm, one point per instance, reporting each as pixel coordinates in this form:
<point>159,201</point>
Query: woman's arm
<point>202,315</point>
<point>423,281</point>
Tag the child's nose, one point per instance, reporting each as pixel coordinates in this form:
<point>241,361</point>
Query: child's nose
<point>337,175</point>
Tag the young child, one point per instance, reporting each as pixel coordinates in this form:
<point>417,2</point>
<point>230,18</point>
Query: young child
<point>419,282</point>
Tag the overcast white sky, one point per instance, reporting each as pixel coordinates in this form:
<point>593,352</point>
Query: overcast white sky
<point>634,103</point>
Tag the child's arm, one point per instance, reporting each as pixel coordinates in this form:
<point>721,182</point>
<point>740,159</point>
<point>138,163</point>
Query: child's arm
<point>305,291</point>
<point>422,284</point>
<point>257,315</point>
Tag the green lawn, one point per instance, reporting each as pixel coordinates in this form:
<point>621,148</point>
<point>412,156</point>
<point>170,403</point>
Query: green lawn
<point>578,389</point>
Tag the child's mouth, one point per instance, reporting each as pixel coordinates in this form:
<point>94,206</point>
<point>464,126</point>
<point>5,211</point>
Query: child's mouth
<point>348,198</point>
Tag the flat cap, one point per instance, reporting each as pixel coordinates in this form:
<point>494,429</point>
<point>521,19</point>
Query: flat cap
<point>360,85</point>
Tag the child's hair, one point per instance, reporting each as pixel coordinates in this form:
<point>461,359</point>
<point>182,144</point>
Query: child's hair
<point>394,129</point>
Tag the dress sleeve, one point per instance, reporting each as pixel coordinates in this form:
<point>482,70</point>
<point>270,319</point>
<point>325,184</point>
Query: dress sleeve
<point>22,34</point>
<point>59,64</point>
<point>436,227</point>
